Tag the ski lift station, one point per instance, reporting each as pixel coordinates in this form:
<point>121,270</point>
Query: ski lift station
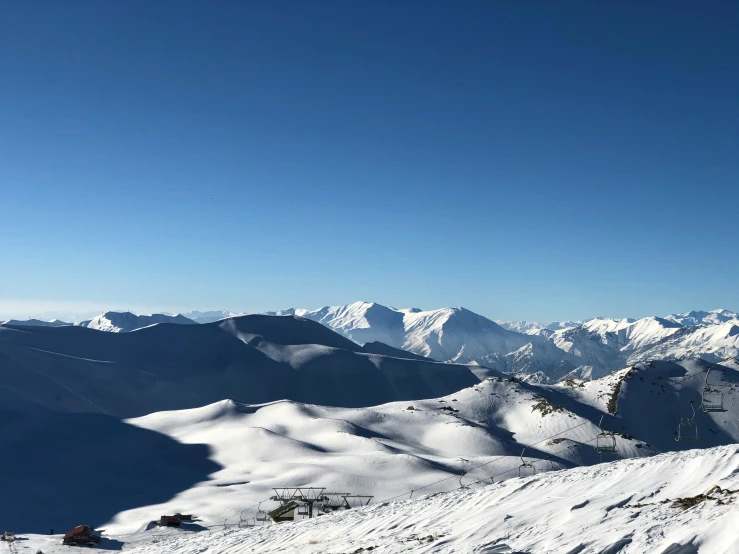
<point>308,502</point>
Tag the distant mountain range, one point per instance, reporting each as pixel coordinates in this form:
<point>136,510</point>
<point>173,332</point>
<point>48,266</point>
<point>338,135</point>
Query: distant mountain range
<point>541,352</point>
<point>118,322</point>
<point>537,351</point>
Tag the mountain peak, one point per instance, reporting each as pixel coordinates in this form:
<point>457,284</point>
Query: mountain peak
<point>118,322</point>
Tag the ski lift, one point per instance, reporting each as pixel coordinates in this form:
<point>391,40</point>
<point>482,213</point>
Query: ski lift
<point>303,510</point>
<point>248,522</point>
<point>525,469</point>
<point>605,442</point>
<point>261,514</point>
<point>713,399</point>
<point>687,430</point>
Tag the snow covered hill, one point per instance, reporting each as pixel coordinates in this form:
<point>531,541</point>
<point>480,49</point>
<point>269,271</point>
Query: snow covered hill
<point>251,359</point>
<point>430,446</point>
<point>679,503</point>
<point>120,322</point>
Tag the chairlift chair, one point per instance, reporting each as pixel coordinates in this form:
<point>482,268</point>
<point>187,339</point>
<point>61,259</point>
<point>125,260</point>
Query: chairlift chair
<point>303,510</point>
<point>605,442</point>
<point>261,514</point>
<point>526,469</point>
<point>687,430</point>
<point>713,399</point>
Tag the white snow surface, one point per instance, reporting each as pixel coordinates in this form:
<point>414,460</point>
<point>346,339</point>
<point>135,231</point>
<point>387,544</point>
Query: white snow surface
<point>625,507</point>
<point>391,449</point>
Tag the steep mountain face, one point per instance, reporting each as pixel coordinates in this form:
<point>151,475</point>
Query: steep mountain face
<point>35,322</point>
<point>450,334</point>
<point>714,343</point>
<point>124,322</point>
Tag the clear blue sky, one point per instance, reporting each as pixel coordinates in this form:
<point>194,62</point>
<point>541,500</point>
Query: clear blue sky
<point>529,160</point>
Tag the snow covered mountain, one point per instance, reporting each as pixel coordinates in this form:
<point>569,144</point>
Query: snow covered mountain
<point>713,317</point>
<point>543,352</point>
<point>533,327</point>
<point>35,322</point>
<point>449,334</point>
<point>123,322</point>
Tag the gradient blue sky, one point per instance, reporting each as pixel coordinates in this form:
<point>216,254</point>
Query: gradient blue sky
<point>529,160</point>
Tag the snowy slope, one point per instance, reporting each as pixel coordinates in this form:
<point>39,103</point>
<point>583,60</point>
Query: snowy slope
<point>677,503</point>
<point>627,507</point>
<point>713,342</point>
<point>220,460</point>
<point>118,322</point>
<point>600,345</point>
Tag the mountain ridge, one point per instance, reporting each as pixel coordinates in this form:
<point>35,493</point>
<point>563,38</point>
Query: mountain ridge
<point>589,348</point>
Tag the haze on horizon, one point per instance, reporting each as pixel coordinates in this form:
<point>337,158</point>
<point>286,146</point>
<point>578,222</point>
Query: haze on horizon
<point>534,161</point>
